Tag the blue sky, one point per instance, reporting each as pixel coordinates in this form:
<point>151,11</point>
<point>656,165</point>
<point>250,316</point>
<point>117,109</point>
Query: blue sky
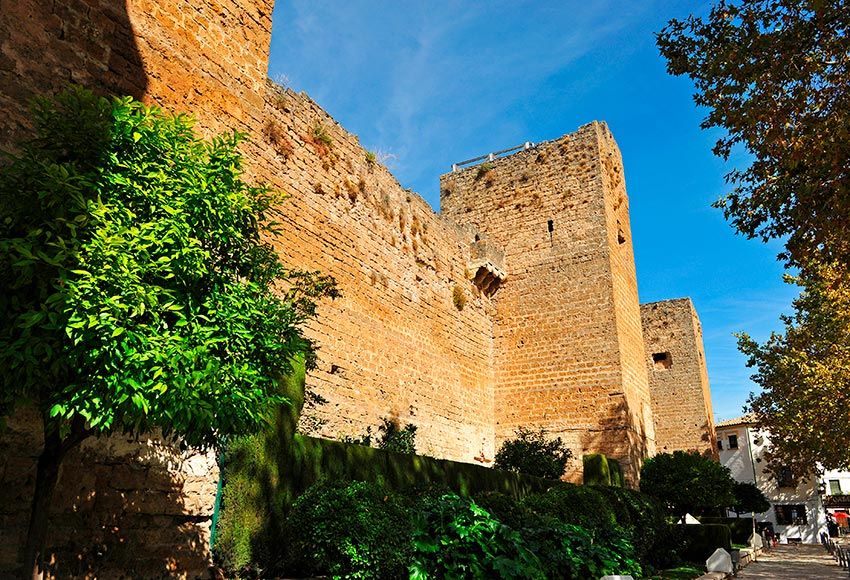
<point>429,83</point>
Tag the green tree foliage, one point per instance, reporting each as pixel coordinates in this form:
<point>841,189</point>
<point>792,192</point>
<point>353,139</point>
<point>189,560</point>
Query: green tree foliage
<point>804,375</point>
<point>748,498</point>
<point>391,436</point>
<point>456,538</point>
<point>136,289</point>
<point>348,529</point>
<point>394,437</point>
<point>581,505</point>
<point>573,531</point>
<point>775,75</point>
<point>531,453</point>
<point>687,482</point>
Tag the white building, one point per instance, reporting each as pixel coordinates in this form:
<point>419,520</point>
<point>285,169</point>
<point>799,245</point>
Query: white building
<point>836,486</point>
<point>797,510</point>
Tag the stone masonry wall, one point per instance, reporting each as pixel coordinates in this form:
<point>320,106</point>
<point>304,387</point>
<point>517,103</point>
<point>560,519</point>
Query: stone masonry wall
<point>569,305</point>
<point>678,378</point>
<point>395,344</point>
<point>414,337</point>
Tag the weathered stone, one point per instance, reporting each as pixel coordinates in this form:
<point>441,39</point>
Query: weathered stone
<point>720,561</point>
<point>678,377</point>
<point>549,335</point>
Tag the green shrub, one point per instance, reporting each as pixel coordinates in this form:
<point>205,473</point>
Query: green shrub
<point>265,473</point>
<point>596,470</point>
<point>643,517</point>
<point>687,482</point>
<point>354,529</point>
<point>255,474</point>
<point>748,498</point>
<point>529,452</point>
<point>698,542</point>
<point>456,538</point>
<point>503,507</point>
<point>616,470</point>
<point>392,437</point>
<point>602,470</point>
<point>396,438</point>
<point>580,505</point>
<point>571,552</point>
<point>740,528</point>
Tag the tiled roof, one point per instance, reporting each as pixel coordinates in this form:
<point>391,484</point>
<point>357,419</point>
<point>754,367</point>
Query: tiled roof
<point>747,419</point>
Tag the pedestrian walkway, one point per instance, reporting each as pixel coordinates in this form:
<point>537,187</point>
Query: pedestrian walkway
<point>801,562</point>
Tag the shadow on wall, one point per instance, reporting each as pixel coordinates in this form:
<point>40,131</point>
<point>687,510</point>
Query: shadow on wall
<point>616,438</point>
<point>121,507</point>
<point>45,46</point>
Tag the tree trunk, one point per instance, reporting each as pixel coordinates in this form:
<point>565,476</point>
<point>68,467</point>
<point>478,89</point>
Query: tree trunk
<point>47,474</point>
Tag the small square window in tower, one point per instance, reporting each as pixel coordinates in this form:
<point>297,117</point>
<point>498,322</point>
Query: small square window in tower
<point>662,361</point>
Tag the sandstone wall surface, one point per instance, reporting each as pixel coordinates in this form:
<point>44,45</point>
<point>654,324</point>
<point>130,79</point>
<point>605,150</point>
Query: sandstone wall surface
<point>568,310</point>
<point>395,345</point>
<point>678,377</point>
<point>416,336</point>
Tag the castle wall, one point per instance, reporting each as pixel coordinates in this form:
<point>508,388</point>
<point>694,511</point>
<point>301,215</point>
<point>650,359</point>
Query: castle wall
<point>394,345</point>
<point>678,377</point>
<point>569,307</point>
<point>559,345</point>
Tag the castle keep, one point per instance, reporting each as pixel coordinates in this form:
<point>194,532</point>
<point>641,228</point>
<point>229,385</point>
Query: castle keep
<point>516,305</point>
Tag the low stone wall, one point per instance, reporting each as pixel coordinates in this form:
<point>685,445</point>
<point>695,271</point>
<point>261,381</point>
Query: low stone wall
<point>122,507</point>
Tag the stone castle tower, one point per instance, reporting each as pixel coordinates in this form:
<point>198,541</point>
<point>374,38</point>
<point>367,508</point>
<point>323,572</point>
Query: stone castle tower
<point>568,351</point>
<point>515,306</point>
<point>678,378</point>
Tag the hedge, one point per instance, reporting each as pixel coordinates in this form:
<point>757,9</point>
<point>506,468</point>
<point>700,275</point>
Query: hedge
<point>602,470</point>
<point>265,473</point>
<point>699,541</point>
<point>741,528</point>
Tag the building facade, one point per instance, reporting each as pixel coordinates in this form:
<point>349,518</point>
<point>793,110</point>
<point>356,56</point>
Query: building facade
<point>797,509</point>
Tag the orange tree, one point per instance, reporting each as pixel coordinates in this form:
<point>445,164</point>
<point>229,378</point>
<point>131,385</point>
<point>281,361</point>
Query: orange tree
<point>136,291</point>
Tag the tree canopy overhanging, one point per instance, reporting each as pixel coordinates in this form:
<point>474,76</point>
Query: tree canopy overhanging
<point>775,76</point>
<point>804,373</point>
<point>138,290</point>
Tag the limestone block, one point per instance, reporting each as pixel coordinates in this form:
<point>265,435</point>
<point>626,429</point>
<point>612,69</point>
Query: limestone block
<point>720,561</point>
